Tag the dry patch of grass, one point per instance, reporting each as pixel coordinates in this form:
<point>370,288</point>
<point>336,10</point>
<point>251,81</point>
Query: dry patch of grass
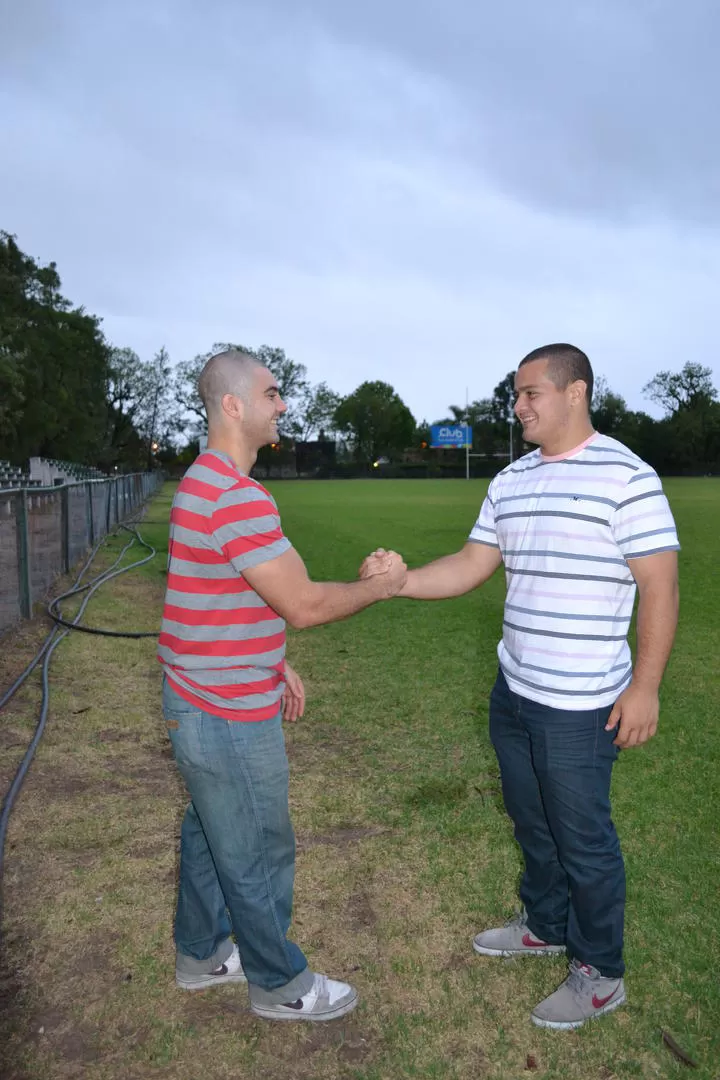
<point>91,868</point>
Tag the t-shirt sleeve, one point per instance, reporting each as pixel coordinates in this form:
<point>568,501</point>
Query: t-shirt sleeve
<point>246,527</point>
<point>642,523</point>
<point>483,531</point>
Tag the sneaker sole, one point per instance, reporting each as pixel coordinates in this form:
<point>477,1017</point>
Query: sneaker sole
<point>549,950</point>
<point>211,980</point>
<point>571,1025</point>
<point>270,1012</point>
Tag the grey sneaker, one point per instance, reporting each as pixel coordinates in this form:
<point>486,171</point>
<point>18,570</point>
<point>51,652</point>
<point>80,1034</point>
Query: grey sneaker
<point>584,995</point>
<point>327,1000</point>
<point>229,972</point>
<point>514,939</point>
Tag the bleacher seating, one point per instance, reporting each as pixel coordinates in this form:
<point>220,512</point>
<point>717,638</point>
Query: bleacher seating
<point>11,476</point>
<point>45,472</point>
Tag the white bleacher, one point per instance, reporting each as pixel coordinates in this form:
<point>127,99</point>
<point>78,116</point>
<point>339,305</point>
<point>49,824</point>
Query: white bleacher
<point>45,472</point>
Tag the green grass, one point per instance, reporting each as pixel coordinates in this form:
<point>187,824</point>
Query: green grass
<point>404,847</point>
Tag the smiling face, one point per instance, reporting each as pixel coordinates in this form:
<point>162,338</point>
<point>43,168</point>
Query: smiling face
<point>550,416</point>
<point>263,409</point>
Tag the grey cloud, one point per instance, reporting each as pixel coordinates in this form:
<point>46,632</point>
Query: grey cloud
<point>406,192</point>
<point>599,107</point>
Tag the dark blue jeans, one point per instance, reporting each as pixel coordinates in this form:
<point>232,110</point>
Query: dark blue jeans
<point>237,849</point>
<point>556,767</point>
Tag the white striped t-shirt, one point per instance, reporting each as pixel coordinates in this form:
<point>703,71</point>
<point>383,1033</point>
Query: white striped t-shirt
<point>566,527</point>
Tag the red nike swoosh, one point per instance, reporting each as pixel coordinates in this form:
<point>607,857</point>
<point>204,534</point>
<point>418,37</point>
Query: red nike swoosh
<point>530,943</point>
<point>599,1002</point>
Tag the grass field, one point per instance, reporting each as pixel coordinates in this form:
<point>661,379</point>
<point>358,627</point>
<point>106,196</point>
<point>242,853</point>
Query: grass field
<point>404,847</point>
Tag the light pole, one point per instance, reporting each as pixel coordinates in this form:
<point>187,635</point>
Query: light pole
<point>467,424</point>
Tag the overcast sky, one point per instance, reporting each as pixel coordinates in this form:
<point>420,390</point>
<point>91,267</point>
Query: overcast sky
<point>413,191</point>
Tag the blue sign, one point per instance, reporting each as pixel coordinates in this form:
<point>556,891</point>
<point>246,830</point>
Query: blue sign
<point>455,435</point>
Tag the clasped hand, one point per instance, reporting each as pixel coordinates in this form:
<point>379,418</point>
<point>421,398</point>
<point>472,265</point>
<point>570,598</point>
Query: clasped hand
<point>382,562</point>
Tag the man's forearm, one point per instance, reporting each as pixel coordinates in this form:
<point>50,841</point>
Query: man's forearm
<point>452,575</point>
<point>656,624</point>
<point>328,601</point>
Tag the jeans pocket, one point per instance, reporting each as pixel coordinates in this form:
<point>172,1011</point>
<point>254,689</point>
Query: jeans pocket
<point>176,709</point>
<point>181,709</point>
<point>178,718</point>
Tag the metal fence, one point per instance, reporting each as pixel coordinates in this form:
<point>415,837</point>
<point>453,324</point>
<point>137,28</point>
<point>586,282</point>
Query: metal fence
<point>44,532</point>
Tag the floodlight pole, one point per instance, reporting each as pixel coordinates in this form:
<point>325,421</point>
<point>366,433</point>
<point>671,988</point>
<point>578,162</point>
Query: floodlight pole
<point>467,445</point>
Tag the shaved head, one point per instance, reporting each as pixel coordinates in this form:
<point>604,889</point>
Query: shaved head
<point>228,372</point>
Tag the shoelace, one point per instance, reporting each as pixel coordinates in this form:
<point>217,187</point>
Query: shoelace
<point>578,980</point>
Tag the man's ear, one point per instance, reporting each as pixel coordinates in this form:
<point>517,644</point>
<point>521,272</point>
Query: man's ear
<point>233,407</point>
<point>578,392</point>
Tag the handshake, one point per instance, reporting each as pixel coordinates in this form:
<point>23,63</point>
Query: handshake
<point>388,567</point>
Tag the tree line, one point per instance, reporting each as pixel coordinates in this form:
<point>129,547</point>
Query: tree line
<point>68,393</point>
<point>685,440</point>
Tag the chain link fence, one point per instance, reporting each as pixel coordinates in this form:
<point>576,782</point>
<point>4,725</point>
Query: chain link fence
<point>44,532</point>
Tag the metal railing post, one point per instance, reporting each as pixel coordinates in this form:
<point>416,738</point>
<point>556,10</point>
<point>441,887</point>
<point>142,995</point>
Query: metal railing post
<point>90,515</point>
<point>23,549</point>
<point>65,526</point>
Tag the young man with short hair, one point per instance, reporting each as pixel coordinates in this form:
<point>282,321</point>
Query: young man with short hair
<point>233,582</point>
<point>580,524</point>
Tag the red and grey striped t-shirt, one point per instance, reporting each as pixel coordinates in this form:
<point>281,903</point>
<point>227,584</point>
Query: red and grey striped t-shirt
<point>221,646</point>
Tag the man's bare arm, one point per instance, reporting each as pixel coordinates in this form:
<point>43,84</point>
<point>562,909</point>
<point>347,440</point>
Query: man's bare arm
<point>452,575</point>
<point>637,709</point>
<point>285,586</point>
<point>658,605</point>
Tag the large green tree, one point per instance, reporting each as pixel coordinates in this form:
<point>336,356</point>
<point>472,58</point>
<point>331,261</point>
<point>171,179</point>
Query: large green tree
<point>314,413</point>
<point>158,421</point>
<point>503,399</point>
<point>691,388</point>
<point>53,365</point>
<point>143,418</point>
<point>608,410</point>
<point>690,432</point>
<point>126,390</point>
<point>375,421</point>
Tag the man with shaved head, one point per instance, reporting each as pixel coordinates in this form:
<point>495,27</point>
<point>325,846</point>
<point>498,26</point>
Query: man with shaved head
<point>228,372</point>
<point>580,524</point>
<point>233,581</point>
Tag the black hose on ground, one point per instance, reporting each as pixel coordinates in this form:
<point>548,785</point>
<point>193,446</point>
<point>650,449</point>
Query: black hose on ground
<point>54,605</point>
<point>10,693</point>
<point>45,653</point>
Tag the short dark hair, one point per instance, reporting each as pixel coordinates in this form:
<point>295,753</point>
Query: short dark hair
<point>566,364</point>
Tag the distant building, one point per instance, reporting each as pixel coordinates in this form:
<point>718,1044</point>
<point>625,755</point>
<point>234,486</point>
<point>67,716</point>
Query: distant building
<point>311,457</point>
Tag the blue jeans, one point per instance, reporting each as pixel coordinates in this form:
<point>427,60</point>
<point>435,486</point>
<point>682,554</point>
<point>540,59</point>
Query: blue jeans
<point>555,767</point>
<point>237,849</point>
